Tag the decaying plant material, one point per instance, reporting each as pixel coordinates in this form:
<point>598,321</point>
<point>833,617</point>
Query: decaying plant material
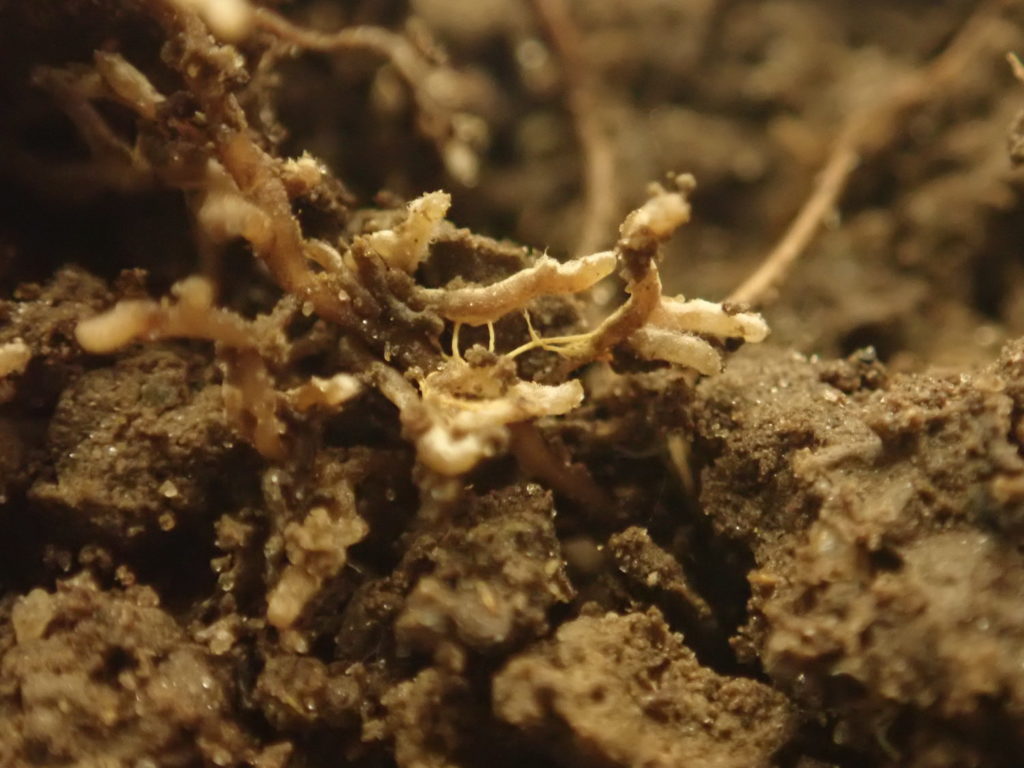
<point>296,470</point>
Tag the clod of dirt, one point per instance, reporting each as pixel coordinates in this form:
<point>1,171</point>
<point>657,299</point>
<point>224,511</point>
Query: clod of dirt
<point>646,564</point>
<point>492,578</point>
<point>625,690</point>
<point>137,444</point>
<point>884,519</point>
<point>98,677</point>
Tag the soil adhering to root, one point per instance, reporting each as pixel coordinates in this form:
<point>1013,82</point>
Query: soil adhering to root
<point>306,463</point>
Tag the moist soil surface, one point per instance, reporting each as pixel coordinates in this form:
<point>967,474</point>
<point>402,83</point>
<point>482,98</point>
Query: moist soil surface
<point>813,558</point>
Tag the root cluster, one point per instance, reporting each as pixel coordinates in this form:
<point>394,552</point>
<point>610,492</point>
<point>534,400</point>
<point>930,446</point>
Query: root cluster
<point>455,409</point>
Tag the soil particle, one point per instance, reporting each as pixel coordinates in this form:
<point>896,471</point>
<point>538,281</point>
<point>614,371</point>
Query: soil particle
<point>296,692</point>
<point>650,567</point>
<point>888,572</point>
<point>139,443</point>
<point>492,577</point>
<point>625,690</point>
<point>99,677</point>
<point>43,318</point>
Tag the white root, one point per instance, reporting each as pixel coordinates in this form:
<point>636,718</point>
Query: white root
<point>479,305</point>
<point>656,327</point>
<point>707,317</point>
<point>470,409</point>
<point>671,333</point>
<point>225,213</point>
<point>115,328</point>
<point>463,413</point>
<point>661,215</point>
<point>192,316</point>
<point>14,357</point>
<point>301,175</point>
<point>229,20</point>
<point>250,397</point>
<point>678,348</point>
<point>128,84</point>
<point>326,393</point>
<point>407,245</point>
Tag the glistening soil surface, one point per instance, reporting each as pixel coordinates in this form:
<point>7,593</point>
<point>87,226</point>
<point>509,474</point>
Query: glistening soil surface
<point>273,494</point>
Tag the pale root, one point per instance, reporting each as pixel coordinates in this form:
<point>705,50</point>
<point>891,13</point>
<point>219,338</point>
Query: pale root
<point>229,20</point>
<point>469,410</point>
<point>117,327</point>
<point>14,357</point>
<point>327,393</point>
<point>130,86</point>
<point>707,317</point>
<point>659,217</point>
<point>479,305</point>
<point>678,348</point>
<point>406,245</point>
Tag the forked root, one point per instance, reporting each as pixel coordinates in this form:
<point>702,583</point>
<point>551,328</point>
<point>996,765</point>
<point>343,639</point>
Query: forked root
<point>250,396</point>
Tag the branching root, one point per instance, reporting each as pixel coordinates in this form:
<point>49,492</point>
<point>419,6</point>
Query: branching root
<point>470,408</point>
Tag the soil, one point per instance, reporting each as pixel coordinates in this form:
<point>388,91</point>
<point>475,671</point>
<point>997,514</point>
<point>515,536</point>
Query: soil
<point>812,559</point>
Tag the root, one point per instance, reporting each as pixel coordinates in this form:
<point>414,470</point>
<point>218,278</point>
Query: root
<point>470,410</point>
<point>279,242</point>
<point>598,159</point>
<point>454,135</point>
<point>230,20</point>
<point>776,265</point>
<point>325,393</point>
<point>192,316</point>
<point>638,250</point>
<point>480,305</point>
<point>14,358</point>
<point>465,409</point>
<point>251,403</point>
<point>250,397</point>
<point>317,549</point>
<point>405,246</point>
<point>868,131</point>
<point>537,459</point>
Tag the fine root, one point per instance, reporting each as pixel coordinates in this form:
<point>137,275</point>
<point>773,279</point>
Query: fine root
<point>317,550</point>
<point>455,134</point>
<point>250,396</point>
<point>598,159</point>
<point>538,460</point>
<point>868,131</point>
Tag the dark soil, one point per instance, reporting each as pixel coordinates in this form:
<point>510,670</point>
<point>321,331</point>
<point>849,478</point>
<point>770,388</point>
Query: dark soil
<point>815,558</point>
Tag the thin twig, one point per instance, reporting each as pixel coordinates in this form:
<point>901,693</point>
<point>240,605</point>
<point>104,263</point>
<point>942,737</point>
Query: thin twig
<point>599,199</point>
<point>867,131</point>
